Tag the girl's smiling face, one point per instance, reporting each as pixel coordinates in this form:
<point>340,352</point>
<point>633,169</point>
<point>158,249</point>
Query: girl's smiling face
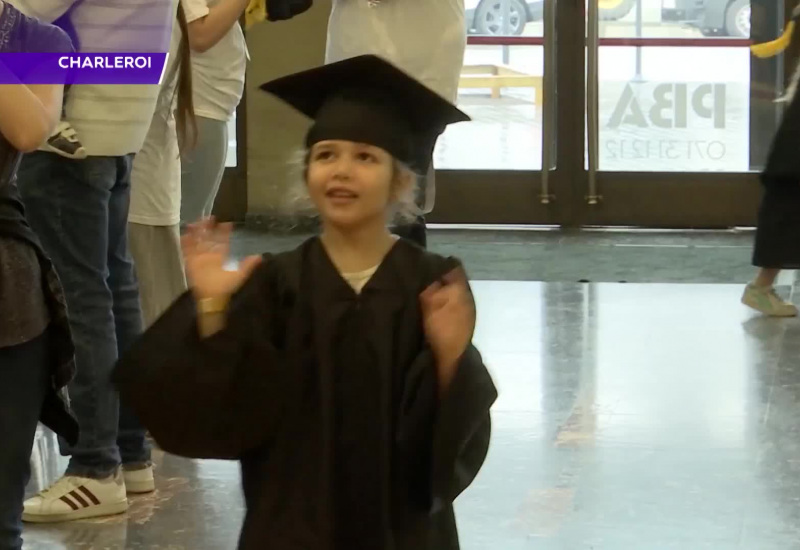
<point>351,184</point>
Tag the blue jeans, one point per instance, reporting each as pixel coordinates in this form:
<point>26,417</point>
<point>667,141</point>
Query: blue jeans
<point>24,378</point>
<point>79,209</point>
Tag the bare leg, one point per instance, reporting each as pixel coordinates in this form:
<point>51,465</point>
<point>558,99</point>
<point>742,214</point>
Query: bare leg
<point>766,277</point>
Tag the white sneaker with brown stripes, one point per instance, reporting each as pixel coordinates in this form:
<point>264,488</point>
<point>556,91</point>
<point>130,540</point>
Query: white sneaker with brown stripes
<point>139,478</point>
<point>72,498</point>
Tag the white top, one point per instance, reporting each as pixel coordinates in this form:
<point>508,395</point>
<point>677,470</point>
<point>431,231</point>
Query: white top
<point>217,73</point>
<point>359,279</point>
<point>426,38</point>
<point>156,175</point>
<point>111,120</point>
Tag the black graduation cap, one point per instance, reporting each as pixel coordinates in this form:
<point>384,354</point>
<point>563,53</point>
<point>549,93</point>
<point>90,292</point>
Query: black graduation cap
<point>367,100</point>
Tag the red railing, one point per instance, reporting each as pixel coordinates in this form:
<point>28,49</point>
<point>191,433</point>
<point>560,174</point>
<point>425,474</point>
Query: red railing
<point>636,42</point>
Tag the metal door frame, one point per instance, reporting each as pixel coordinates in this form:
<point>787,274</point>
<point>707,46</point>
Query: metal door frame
<point>564,193</point>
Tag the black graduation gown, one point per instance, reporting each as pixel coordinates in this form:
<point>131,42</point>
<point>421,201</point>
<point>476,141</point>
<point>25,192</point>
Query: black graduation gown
<point>783,162</point>
<point>778,236</point>
<point>282,10</point>
<point>329,400</point>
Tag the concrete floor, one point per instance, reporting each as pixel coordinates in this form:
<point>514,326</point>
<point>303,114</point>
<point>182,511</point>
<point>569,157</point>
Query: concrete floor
<point>637,416</point>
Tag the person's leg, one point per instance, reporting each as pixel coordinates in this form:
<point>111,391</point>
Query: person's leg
<point>159,270</point>
<point>67,204</point>
<point>775,248</point>
<point>202,170</point>
<point>24,380</point>
<point>159,267</point>
<point>761,295</point>
<point>766,277</point>
<point>131,438</point>
<point>218,147</point>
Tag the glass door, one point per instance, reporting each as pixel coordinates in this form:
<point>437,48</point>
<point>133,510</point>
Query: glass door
<point>643,113</point>
<point>490,170</point>
<point>680,113</point>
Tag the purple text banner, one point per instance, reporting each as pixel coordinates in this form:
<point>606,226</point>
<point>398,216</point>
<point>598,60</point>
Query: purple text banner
<point>60,68</point>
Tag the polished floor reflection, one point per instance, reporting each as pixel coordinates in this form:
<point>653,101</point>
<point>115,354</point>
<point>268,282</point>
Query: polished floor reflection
<point>630,417</point>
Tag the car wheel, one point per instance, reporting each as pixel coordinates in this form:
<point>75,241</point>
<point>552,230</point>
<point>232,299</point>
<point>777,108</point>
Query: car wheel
<point>737,19</point>
<point>613,10</point>
<point>490,18</point>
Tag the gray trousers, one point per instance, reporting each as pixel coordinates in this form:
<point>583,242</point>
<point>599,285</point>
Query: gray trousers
<point>157,255</point>
<point>202,169</point>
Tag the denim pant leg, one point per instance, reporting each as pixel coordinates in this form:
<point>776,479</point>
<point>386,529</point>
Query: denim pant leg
<point>124,287</point>
<point>68,203</point>
<point>24,378</point>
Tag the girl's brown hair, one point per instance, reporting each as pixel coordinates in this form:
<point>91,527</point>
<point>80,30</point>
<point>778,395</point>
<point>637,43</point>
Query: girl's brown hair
<point>186,123</point>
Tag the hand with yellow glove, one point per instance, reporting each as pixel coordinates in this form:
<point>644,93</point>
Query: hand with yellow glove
<point>256,12</point>
<point>771,49</point>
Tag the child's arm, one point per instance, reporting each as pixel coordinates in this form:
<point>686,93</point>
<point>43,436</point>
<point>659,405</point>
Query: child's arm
<point>213,397</point>
<point>444,426</point>
<point>444,436</point>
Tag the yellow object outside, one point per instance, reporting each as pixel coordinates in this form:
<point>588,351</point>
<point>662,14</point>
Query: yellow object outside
<point>777,46</point>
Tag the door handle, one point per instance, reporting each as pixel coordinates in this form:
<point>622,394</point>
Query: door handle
<point>593,98</point>
<point>549,100</point>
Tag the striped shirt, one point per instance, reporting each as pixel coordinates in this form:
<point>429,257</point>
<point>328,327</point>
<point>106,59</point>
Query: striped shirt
<point>111,120</point>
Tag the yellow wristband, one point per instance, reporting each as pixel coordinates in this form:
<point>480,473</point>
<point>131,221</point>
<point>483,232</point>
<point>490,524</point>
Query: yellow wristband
<point>217,304</point>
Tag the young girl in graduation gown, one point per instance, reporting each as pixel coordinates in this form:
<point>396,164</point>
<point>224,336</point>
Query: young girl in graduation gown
<point>341,374</point>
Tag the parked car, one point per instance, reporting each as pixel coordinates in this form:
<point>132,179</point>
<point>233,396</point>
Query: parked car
<point>487,17</point>
<point>712,17</point>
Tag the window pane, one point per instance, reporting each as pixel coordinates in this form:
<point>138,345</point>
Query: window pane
<point>678,109</point>
<point>501,89</point>
<point>674,18</point>
<point>679,99</point>
<point>506,131</point>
